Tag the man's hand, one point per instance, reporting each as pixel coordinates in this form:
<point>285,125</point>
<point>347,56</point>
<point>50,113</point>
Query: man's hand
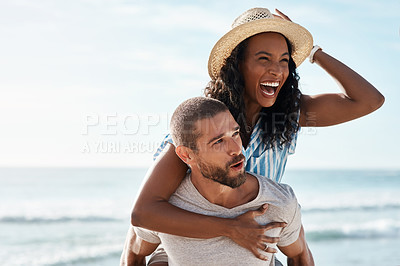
<point>247,233</point>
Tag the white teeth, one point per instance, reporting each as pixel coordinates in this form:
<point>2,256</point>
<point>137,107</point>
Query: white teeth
<point>268,93</point>
<point>270,84</point>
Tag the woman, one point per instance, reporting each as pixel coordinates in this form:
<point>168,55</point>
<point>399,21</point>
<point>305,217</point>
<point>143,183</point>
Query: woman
<point>253,71</point>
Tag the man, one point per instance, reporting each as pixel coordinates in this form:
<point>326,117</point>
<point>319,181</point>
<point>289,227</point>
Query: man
<point>207,139</point>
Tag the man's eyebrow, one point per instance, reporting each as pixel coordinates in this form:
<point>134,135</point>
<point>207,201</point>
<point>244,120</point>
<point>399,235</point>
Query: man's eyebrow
<point>269,54</point>
<point>221,135</point>
<point>216,137</point>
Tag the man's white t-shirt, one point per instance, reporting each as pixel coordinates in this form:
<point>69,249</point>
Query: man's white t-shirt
<point>282,207</point>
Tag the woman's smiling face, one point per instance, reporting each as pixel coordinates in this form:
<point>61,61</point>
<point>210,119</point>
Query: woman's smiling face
<point>265,68</point>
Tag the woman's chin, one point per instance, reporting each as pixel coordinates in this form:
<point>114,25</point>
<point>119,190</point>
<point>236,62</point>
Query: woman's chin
<point>265,103</point>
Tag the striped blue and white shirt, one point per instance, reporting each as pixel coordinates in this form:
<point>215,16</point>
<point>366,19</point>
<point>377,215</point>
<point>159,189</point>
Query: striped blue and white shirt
<point>270,163</point>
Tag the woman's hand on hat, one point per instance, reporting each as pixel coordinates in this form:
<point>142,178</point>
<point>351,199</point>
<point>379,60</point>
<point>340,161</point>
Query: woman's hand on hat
<point>281,15</point>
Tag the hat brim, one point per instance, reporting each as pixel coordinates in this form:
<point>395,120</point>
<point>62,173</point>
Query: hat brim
<point>299,37</point>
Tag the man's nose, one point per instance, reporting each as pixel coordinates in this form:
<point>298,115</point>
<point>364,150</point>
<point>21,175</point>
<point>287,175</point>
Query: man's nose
<point>235,146</point>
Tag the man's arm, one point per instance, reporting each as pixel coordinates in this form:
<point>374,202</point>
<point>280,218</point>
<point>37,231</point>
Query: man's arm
<point>135,250</point>
<point>298,253</point>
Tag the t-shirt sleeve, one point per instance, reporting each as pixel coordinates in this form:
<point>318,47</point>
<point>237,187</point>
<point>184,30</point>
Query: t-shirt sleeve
<point>291,232</point>
<point>166,140</point>
<point>147,235</point>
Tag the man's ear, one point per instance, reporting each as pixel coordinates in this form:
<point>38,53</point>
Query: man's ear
<point>185,153</point>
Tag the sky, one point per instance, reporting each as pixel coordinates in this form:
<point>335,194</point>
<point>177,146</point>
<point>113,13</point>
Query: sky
<point>93,83</point>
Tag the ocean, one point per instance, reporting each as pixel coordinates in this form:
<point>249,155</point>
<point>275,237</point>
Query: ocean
<point>78,216</point>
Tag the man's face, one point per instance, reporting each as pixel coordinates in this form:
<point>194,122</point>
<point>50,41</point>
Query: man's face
<point>219,150</point>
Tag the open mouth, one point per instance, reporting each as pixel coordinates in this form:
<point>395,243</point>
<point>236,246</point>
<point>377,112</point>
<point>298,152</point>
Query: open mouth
<point>237,166</point>
<point>269,88</point>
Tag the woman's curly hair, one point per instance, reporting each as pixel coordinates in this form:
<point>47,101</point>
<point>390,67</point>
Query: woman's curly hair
<point>278,122</point>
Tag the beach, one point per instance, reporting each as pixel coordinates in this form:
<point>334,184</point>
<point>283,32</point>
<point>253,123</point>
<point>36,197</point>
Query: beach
<point>80,216</point>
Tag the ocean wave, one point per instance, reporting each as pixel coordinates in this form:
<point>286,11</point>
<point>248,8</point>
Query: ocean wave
<point>71,255</point>
<point>340,235</point>
<point>47,220</point>
<point>112,256</point>
<point>384,228</point>
<point>366,207</point>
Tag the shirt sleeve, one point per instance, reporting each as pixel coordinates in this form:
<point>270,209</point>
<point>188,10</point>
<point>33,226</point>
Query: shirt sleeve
<point>147,235</point>
<point>291,232</point>
<point>166,140</point>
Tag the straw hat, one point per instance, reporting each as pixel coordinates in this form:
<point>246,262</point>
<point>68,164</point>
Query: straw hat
<point>252,22</point>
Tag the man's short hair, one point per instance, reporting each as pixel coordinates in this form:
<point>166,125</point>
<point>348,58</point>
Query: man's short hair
<point>186,115</point>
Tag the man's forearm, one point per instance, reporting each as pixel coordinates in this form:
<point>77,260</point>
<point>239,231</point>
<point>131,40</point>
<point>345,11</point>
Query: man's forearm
<point>298,253</point>
<point>135,250</point>
<point>128,258</point>
<point>303,259</point>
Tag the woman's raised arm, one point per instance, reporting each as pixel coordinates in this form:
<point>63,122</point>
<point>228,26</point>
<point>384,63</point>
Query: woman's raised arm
<point>358,98</point>
<point>153,211</point>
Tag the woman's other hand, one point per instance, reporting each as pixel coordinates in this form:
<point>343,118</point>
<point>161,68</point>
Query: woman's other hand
<point>281,15</point>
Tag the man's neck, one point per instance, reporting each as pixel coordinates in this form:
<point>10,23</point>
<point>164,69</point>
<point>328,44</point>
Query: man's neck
<point>223,195</point>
